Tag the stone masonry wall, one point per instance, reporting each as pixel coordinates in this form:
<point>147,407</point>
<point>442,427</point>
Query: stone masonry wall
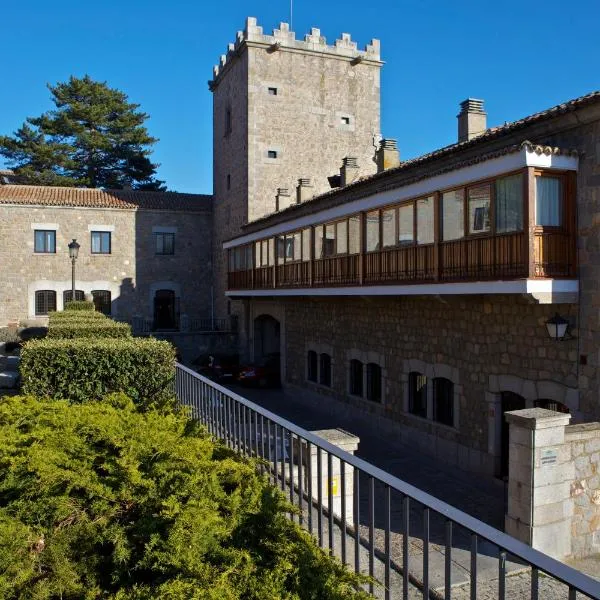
<point>470,340</point>
<point>584,440</point>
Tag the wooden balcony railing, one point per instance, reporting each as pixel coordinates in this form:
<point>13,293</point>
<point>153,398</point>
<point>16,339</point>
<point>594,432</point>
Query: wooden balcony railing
<point>543,254</point>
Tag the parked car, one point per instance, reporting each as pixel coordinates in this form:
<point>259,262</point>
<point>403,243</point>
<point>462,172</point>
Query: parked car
<point>219,367</point>
<point>265,373</point>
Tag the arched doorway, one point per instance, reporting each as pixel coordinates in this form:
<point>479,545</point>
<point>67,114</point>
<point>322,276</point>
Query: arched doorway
<point>510,401</point>
<point>166,310</point>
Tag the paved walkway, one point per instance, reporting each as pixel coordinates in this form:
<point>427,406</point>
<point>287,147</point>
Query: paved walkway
<point>476,495</point>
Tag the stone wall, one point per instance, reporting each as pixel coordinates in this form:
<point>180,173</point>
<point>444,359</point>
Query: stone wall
<point>584,440</point>
<point>478,342</point>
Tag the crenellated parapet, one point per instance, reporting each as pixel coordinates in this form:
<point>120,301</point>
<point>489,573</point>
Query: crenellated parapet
<point>284,39</point>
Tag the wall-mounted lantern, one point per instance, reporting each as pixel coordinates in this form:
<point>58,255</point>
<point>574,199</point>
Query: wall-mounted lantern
<point>557,327</point>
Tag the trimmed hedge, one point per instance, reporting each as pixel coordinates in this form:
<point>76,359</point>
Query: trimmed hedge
<point>80,305</point>
<point>89,329</point>
<point>87,369</point>
<point>76,315</point>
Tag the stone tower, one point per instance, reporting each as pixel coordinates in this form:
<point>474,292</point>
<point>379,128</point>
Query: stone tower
<point>286,113</point>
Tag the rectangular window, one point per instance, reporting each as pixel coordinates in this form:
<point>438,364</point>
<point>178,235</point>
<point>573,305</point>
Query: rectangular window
<point>102,301</point>
<point>417,394</point>
<point>101,242</point>
<point>341,235</point>
<point>280,249</point>
<point>443,401</point>
<point>271,245</point>
<point>406,224</point>
<point>373,231</point>
<point>164,243</point>
<point>44,241</point>
<point>373,382</point>
<point>325,370</point>
<point>306,245</point>
<point>311,366</point>
<point>509,204</point>
<point>354,235</point>
<point>329,240</point>
<point>548,204</point>
<point>425,231</point>
<point>272,91</point>
<point>45,302</point>
<point>345,120</point>
<point>453,215</point>
<point>257,261</point>
<point>319,242</point>
<point>388,218</point>
<point>68,296</point>
<point>272,153</point>
<point>356,378</point>
<point>479,208</point>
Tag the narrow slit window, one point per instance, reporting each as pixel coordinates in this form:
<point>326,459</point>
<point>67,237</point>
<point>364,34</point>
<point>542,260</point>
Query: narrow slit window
<point>345,120</point>
<point>272,153</point>
<point>272,91</point>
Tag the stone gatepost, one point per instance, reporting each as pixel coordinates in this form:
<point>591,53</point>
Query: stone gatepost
<point>540,472</point>
<point>348,442</point>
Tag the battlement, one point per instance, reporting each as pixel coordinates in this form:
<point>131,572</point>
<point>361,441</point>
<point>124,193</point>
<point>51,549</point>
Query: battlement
<point>283,38</point>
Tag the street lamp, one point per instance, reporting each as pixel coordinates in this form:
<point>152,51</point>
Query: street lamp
<point>557,327</point>
<point>73,254</point>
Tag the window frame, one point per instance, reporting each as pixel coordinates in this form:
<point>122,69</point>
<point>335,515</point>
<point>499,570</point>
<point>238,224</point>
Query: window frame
<point>325,370</point>
<point>101,234</point>
<point>439,415</point>
<point>374,383</point>
<point>109,303</point>
<point>164,233</point>
<point>356,378</point>
<point>312,370</point>
<point>45,309</point>
<point>45,245</point>
<point>561,176</point>
<point>79,296</point>
<point>413,376</point>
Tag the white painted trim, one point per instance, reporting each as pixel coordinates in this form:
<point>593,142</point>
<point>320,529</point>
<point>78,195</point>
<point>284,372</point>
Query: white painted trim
<point>94,227</point>
<point>45,226</point>
<point>458,177</point>
<point>159,229</point>
<point>520,286</point>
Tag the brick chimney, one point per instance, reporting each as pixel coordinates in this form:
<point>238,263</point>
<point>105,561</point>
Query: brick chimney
<point>471,119</point>
<point>349,170</point>
<point>304,190</point>
<point>388,156</point>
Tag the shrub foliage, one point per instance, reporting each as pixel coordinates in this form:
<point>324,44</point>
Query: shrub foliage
<point>87,369</point>
<point>100,501</point>
<point>84,328</point>
<point>79,305</point>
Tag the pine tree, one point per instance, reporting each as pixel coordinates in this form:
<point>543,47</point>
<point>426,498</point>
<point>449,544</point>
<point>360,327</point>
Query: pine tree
<point>93,138</point>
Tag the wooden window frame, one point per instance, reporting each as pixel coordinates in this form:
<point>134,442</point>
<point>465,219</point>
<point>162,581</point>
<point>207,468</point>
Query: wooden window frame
<point>46,308</point>
<point>45,249</point>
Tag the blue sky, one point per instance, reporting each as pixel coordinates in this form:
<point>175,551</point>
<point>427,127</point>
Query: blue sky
<point>519,56</point>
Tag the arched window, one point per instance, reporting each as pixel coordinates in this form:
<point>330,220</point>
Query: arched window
<point>102,301</point>
<point>443,401</point>
<point>45,302</point>
<point>356,377</point>
<point>311,366</point>
<point>325,370</point>
<point>373,382</point>
<point>417,394</point>
<point>552,405</point>
<point>68,296</point>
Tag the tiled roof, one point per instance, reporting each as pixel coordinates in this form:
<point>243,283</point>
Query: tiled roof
<point>40,195</point>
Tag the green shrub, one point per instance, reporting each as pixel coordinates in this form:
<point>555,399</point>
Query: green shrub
<point>67,329</point>
<point>87,369</point>
<point>100,501</point>
<point>76,315</point>
<point>80,305</point>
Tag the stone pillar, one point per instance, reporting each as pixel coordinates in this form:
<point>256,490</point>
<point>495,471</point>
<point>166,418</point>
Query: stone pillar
<point>348,442</point>
<point>540,474</point>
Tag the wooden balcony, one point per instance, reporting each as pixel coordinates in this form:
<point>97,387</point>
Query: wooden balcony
<point>545,254</point>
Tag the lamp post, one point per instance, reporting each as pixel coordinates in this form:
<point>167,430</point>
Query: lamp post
<point>73,254</point>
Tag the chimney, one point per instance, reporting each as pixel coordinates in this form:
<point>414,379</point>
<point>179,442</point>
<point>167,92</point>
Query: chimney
<point>304,190</point>
<point>471,119</point>
<point>388,156</point>
<point>349,170</point>
<point>282,199</point>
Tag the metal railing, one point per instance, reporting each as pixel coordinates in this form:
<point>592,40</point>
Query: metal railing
<point>400,536</point>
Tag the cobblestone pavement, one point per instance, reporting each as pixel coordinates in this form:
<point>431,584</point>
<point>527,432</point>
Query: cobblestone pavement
<point>478,496</point>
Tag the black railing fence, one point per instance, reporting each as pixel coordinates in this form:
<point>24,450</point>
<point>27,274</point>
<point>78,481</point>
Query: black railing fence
<point>410,543</point>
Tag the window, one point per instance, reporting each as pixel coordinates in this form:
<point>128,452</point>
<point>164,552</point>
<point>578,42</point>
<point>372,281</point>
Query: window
<point>228,182</point>
<point>406,224</point>
<point>443,401</point>
<point>552,405</point>
<point>306,245</point>
<point>102,301</point>
<point>272,153</point>
<point>311,366</point>
<point>354,235</point>
<point>345,120</point>
<point>68,296</point>
<point>479,208</point>
<point>44,241</point>
<point>509,204</point>
<point>164,243</point>
<point>548,205</point>
<point>356,377</point>
<point>417,394</point>
<point>228,121</point>
<point>101,242</point>
<point>45,302</point>
<point>325,370</point>
<point>329,241</point>
<point>425,231</point>
<point>373,231</point>
<point>453,220</point>
<point>341,235</point>
<point>373,382</point>
<point>388,218</point>
<point>272,91</point>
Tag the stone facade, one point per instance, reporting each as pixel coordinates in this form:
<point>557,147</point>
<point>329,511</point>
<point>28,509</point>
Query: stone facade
<point>132,272</point>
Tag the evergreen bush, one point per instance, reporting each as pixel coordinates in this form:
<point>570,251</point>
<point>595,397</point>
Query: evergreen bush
<point>76,314</point>
<point>79,305</point>
<point>83,328</point>
<point>100,501</point>
<point>87,369</point>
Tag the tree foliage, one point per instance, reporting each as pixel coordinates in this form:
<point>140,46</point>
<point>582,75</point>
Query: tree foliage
<point>100,501</point>
<point>93,138</point>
